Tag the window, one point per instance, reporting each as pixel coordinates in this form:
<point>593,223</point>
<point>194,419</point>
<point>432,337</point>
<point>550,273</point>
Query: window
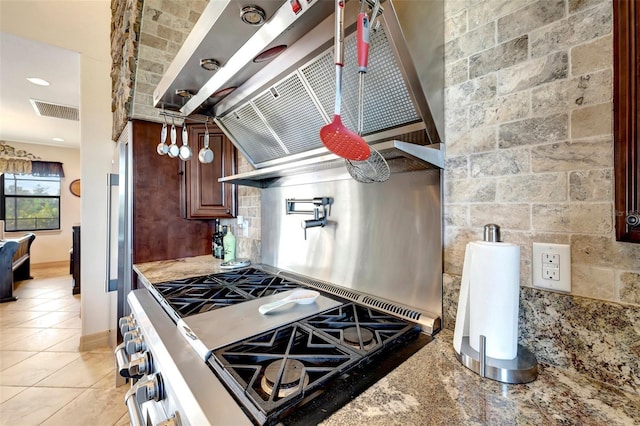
<point>30,203</point>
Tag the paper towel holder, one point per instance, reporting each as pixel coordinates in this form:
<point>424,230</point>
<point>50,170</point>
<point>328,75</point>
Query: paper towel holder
<point>521,369</point>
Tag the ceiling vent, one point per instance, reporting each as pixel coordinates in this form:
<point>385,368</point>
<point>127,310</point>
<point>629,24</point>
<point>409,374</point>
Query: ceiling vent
<point>48,109</point>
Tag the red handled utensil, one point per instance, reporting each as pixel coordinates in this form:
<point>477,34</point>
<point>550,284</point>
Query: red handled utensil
<point>335,135</point>
<point>363,61</point>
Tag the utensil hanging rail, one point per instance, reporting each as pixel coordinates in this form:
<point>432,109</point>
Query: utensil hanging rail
<point>183,117</point>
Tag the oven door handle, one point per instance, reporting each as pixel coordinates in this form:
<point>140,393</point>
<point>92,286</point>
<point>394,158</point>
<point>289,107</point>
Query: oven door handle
<point>122,360</point>
<point>135,415</point>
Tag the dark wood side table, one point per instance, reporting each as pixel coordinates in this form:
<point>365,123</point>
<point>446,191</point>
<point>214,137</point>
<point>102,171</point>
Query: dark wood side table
<point>75,260</point>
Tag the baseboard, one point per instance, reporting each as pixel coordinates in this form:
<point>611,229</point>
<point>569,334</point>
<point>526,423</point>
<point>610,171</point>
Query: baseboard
<point>57,264</point>
<point>93,341</point>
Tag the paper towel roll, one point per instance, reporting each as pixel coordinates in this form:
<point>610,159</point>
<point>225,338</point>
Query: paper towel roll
<point>494,288</point>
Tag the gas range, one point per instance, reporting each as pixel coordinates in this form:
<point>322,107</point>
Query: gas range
<point>294,366</point>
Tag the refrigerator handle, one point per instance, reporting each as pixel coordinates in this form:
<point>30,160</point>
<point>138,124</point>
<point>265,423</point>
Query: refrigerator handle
<point>110,284</point>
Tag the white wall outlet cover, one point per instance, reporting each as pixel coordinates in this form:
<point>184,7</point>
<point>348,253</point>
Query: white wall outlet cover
<point>551,266</point>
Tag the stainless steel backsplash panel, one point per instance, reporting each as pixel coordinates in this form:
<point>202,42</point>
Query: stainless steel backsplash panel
<point>383,239</point>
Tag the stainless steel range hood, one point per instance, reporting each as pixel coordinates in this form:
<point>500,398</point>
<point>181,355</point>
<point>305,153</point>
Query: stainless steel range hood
<point>277,108</point>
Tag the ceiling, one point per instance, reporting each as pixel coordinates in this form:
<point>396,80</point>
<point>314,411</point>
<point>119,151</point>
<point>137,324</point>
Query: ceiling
<point>21,58</point>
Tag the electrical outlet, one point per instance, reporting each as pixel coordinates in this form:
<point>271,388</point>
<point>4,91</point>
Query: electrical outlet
<point>244,225</point>
<point>552,266</point>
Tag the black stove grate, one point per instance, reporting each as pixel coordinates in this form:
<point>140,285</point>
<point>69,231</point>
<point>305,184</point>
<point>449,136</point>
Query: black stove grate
<point>274,372</point>
<point>359,327</point>
<point>205,293</point>
<point>279,367</point>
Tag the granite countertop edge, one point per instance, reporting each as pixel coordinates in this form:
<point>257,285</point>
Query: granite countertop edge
<point>433,388</point>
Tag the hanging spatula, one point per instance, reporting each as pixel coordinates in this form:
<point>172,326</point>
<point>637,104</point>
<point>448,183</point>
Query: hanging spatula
<point>335,135</point>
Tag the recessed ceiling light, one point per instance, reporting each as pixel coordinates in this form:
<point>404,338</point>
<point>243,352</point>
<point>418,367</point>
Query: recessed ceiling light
<point>184,93</point>
<point>252,15</point>
<point>58,139</point>
<point>210,64</point>
<point>38,81</point>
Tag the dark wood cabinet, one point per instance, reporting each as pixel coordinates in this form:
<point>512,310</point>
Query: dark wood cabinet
<point>626,100</point>
<point>203,197</point>
<point>75,260</point>
<point>160,231</point>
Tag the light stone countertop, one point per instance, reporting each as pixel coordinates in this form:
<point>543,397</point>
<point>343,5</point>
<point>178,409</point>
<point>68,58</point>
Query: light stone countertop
<point>433,388</point>
<point>166,270</point>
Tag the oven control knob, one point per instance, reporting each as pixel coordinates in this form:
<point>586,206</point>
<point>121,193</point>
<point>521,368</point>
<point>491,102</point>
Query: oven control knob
<point>140,366</point>
<point>149,389</point>
<point>126,323</point>
<point>135,345</point>
<point>131,334</point>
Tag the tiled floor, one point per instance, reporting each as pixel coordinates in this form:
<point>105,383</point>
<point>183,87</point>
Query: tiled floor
<point>44,378</point>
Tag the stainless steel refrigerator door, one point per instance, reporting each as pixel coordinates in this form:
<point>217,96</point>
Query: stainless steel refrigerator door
<point>125,220</point>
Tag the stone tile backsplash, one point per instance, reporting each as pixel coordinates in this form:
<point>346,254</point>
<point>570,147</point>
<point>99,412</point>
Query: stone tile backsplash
<point>528,119</point>
<point>529,140</point>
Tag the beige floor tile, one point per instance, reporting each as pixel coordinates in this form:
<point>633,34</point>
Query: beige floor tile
<point>82,372</point>
<point>109,382</point>
<point>57,305</point>
<point>35,293</point>
<point>92,407</point>
<point>72,344</point>
<point>23,305</point>
<point>103,349</point>
<point>14,318</point>
<point>10,335</point>
<point>124,421</point>
<point>34,369</point>
<point>55,283</point>
<point>35,405</point>
<point>73,322</point>
<point>61,291</point>
<point>45,270</point>
<point>9,358</point>
<point>8,392</point>
<point>39,341</point>
<point>49,319</point>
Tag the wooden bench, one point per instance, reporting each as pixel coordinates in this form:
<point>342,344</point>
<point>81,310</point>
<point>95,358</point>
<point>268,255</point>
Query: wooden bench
<point>15,264</point>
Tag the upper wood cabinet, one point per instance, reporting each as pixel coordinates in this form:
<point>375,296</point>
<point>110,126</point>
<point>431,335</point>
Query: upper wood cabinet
<point>626,45</point>
<point>203,197</point>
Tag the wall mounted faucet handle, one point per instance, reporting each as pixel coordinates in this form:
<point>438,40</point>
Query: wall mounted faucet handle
<point>313,223</point>
<point>321,210</point>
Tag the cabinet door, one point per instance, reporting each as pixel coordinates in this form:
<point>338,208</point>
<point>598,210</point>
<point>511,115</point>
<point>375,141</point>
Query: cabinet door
<point>626,101</point>
<point>204,196</point>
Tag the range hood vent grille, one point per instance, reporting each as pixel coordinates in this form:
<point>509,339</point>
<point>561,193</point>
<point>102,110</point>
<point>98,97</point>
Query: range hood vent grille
<point>286,118</point>
<point>387,102</point>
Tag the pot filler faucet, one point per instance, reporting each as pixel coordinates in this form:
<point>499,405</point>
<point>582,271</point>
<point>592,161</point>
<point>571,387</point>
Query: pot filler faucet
<point>321,210</point>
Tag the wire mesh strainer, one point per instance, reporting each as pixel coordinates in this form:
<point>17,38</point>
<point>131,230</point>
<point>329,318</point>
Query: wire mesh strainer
<point>373,169</point>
